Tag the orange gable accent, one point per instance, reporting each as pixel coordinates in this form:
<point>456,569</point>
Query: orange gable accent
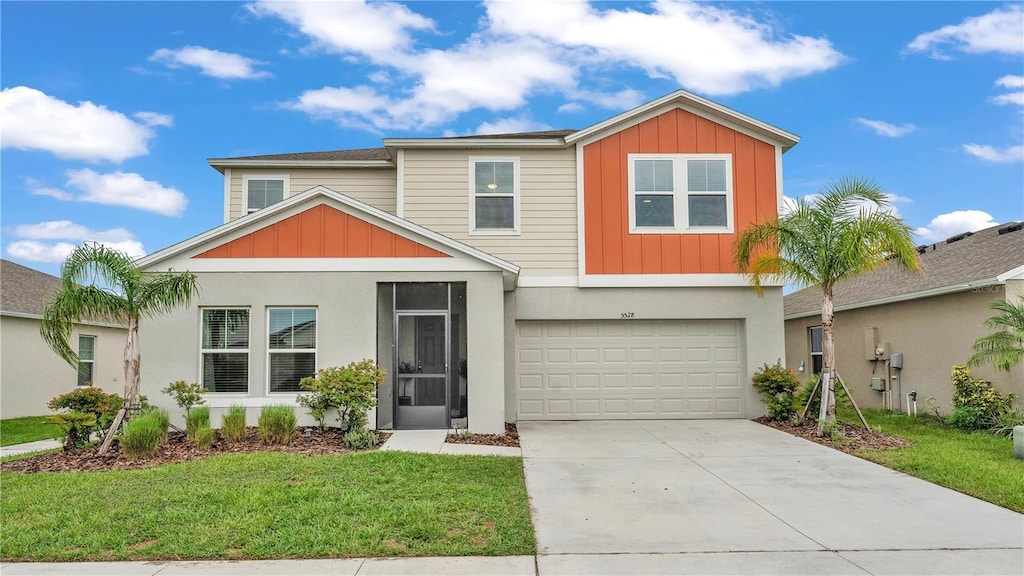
<point>611,249</point>
<point>322,232</point>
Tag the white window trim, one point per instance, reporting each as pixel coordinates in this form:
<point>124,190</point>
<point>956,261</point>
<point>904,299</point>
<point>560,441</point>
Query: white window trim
<point>245,188</point>
<point>515,230</point>
<point>246,351</point>
<point>314,350</point>
<point>82,361</point>
<point>680,195</point>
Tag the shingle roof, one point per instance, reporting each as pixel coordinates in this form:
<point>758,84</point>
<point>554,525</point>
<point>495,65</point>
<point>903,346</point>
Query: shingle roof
<point>24,290</point>
<point>357,154</point>
<point>980,256</point>
<point>519,135</point>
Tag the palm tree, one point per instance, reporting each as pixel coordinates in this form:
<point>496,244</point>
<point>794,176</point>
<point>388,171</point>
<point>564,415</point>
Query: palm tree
<point>126,296</point>
<point>1004,348</point>
<point>844,230</point>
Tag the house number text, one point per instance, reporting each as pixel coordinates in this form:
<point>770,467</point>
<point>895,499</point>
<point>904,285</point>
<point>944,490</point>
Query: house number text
<point>627,315</point>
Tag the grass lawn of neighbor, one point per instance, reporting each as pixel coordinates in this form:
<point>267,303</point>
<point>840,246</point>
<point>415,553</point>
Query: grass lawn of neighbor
<point>271,505</point>
<point>27,429</point>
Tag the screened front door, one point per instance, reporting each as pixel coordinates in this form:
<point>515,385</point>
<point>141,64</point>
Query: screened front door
<point>422,383</point>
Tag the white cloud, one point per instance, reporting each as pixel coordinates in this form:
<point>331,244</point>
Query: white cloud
<point>945,225</point>
<point>127,189</point>
<point>998,31</point>
<point>155,119</point>
<point>1011,82</point>
<point>510,125</point>
<point>32,248</point>
<point>522,49</point>
<point>992,154</point>
<point>32,120</point>
<point>1011,98</point>
<point>215,63</point>
<point>570,107</point>
<point>707,48</point>
<point>886,129</point>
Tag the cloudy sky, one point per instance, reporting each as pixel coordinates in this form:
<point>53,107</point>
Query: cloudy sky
<point>109,111</point>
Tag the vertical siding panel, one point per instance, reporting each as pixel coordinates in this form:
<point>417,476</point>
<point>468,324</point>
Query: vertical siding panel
<point>288,238</point>
<point>671,254</point>
<point>218,252</point>
<point>632,244</point>
<point>744,185</point>
<point>592,209</point>
<point>706,136</point>
<point>651,254</point>
<point>709,253</point>
<point>358,238</point>
<point>725,139</point>
<point>404,248</point>
<point>311,233</point>
<point>264,243</point>
<point>648,136</point>
<point>613,202</point>
<point>668,135</point>
<point>382,243</point>
<point>687,132</point>
<point>335,226</point>
<point>241,247</point>
<point>691,253</point>
<point>764,166</point>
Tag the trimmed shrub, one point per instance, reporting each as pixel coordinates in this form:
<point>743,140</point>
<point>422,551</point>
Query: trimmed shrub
<point>277,424</point>
<point>195,419</point>
<point>360,439</point>
<point>232,427</point>
<point>90,400</point>
<point>164,419</point>
<point>777,383</point>
<point>204,437</point>
<point>351,389</point>
<point>76,427</point>
<point>142,436</point>
<point>185,394</point>
<point>977,401</point>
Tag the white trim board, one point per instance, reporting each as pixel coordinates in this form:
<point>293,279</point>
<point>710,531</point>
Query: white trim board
<point>667,280</point>
<point>329,265</point>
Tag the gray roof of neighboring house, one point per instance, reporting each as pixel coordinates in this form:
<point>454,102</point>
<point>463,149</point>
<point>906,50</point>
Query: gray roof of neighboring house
<point>364,154</point>
<point>24,290</point>
<point>957,261</point>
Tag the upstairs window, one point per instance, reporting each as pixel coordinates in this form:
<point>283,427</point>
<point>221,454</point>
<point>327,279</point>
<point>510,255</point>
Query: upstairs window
<point>86,360</point>
<point>680,193</point>
<point>494,195</point>
<point>262,191</point>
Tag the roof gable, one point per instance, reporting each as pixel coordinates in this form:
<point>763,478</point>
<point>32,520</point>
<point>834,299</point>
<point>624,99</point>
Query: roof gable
<point>322,232</point>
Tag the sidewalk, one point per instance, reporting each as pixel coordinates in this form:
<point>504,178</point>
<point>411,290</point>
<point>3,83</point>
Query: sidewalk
<point>16,449</point>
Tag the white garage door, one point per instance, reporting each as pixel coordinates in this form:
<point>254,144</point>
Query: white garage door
<point>628,369</point>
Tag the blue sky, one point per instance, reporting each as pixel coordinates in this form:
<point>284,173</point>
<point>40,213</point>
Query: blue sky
<point>110,110</point>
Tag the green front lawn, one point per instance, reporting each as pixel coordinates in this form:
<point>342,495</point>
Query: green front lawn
<point>272,505</point>
<point>978,464</point>
<point>27,429</point>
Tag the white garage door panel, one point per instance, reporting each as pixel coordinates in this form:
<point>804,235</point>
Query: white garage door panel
<point>628,369</point>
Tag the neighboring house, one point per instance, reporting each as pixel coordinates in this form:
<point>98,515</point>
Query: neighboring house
<point>559,275</point>
<point>932,318</point>
<point>31,373</point>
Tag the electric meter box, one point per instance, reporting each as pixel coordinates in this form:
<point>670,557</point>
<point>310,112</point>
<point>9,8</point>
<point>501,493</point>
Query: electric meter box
<point>878,384</point>
<point>896,360</point>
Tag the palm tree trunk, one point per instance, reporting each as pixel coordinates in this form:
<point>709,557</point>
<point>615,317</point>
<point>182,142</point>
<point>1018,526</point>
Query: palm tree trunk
<point>132,358</point>
<point>827,413</point>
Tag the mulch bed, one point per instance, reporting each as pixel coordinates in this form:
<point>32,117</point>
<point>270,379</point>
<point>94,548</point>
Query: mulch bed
<point>178,449</point>
<point>856,437</point>
<point>510,438</point>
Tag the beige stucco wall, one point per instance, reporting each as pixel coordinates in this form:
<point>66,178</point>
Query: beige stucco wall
<point>347,331</point>
<point>375,186</point>
<point>437,197</point>
<point>932,333</point>
<point>31,374</point>
<point>761,318</point>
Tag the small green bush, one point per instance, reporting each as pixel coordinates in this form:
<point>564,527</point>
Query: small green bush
<point>76,428</point>
<point>163,418</point>
<point>803,394</point>
<point>90,400</point>
<point>277,424</point>
<point>232,427</point>
<point>204,437</point>
<point>978,402</point>
<point>195,419</point>
<point>142,436</point>
<point>185,394</point>
<point>967,418</point>
<point>360,439</point>
<point>351,389</point>
<point>777,383</point>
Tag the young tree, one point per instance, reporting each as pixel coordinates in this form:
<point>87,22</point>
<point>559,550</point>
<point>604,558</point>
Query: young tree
<point>1004,348</point>
<point>126,295</point>
<point>844,230</point>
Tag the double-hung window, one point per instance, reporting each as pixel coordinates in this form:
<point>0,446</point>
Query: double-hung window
<point>225,349</point>
<point>291,347</point>
<point>680,193</point>
<point>262,191</point>
<point>494,195</point>
<point>815,337</point>
<point>86,360</point>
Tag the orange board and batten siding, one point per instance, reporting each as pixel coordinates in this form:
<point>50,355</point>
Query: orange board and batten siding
<point>322,232</point>
<point>611,249</point>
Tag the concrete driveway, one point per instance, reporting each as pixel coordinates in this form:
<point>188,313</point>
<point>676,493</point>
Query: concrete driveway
<point>732,496</point>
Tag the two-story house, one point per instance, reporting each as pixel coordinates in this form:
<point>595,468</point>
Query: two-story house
<point>560,275</point>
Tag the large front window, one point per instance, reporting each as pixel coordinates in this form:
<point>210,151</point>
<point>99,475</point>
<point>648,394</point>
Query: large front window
<point>680,193</point>
<point>225,349</point>
<point>494,195</point>
<point>291,347</point>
